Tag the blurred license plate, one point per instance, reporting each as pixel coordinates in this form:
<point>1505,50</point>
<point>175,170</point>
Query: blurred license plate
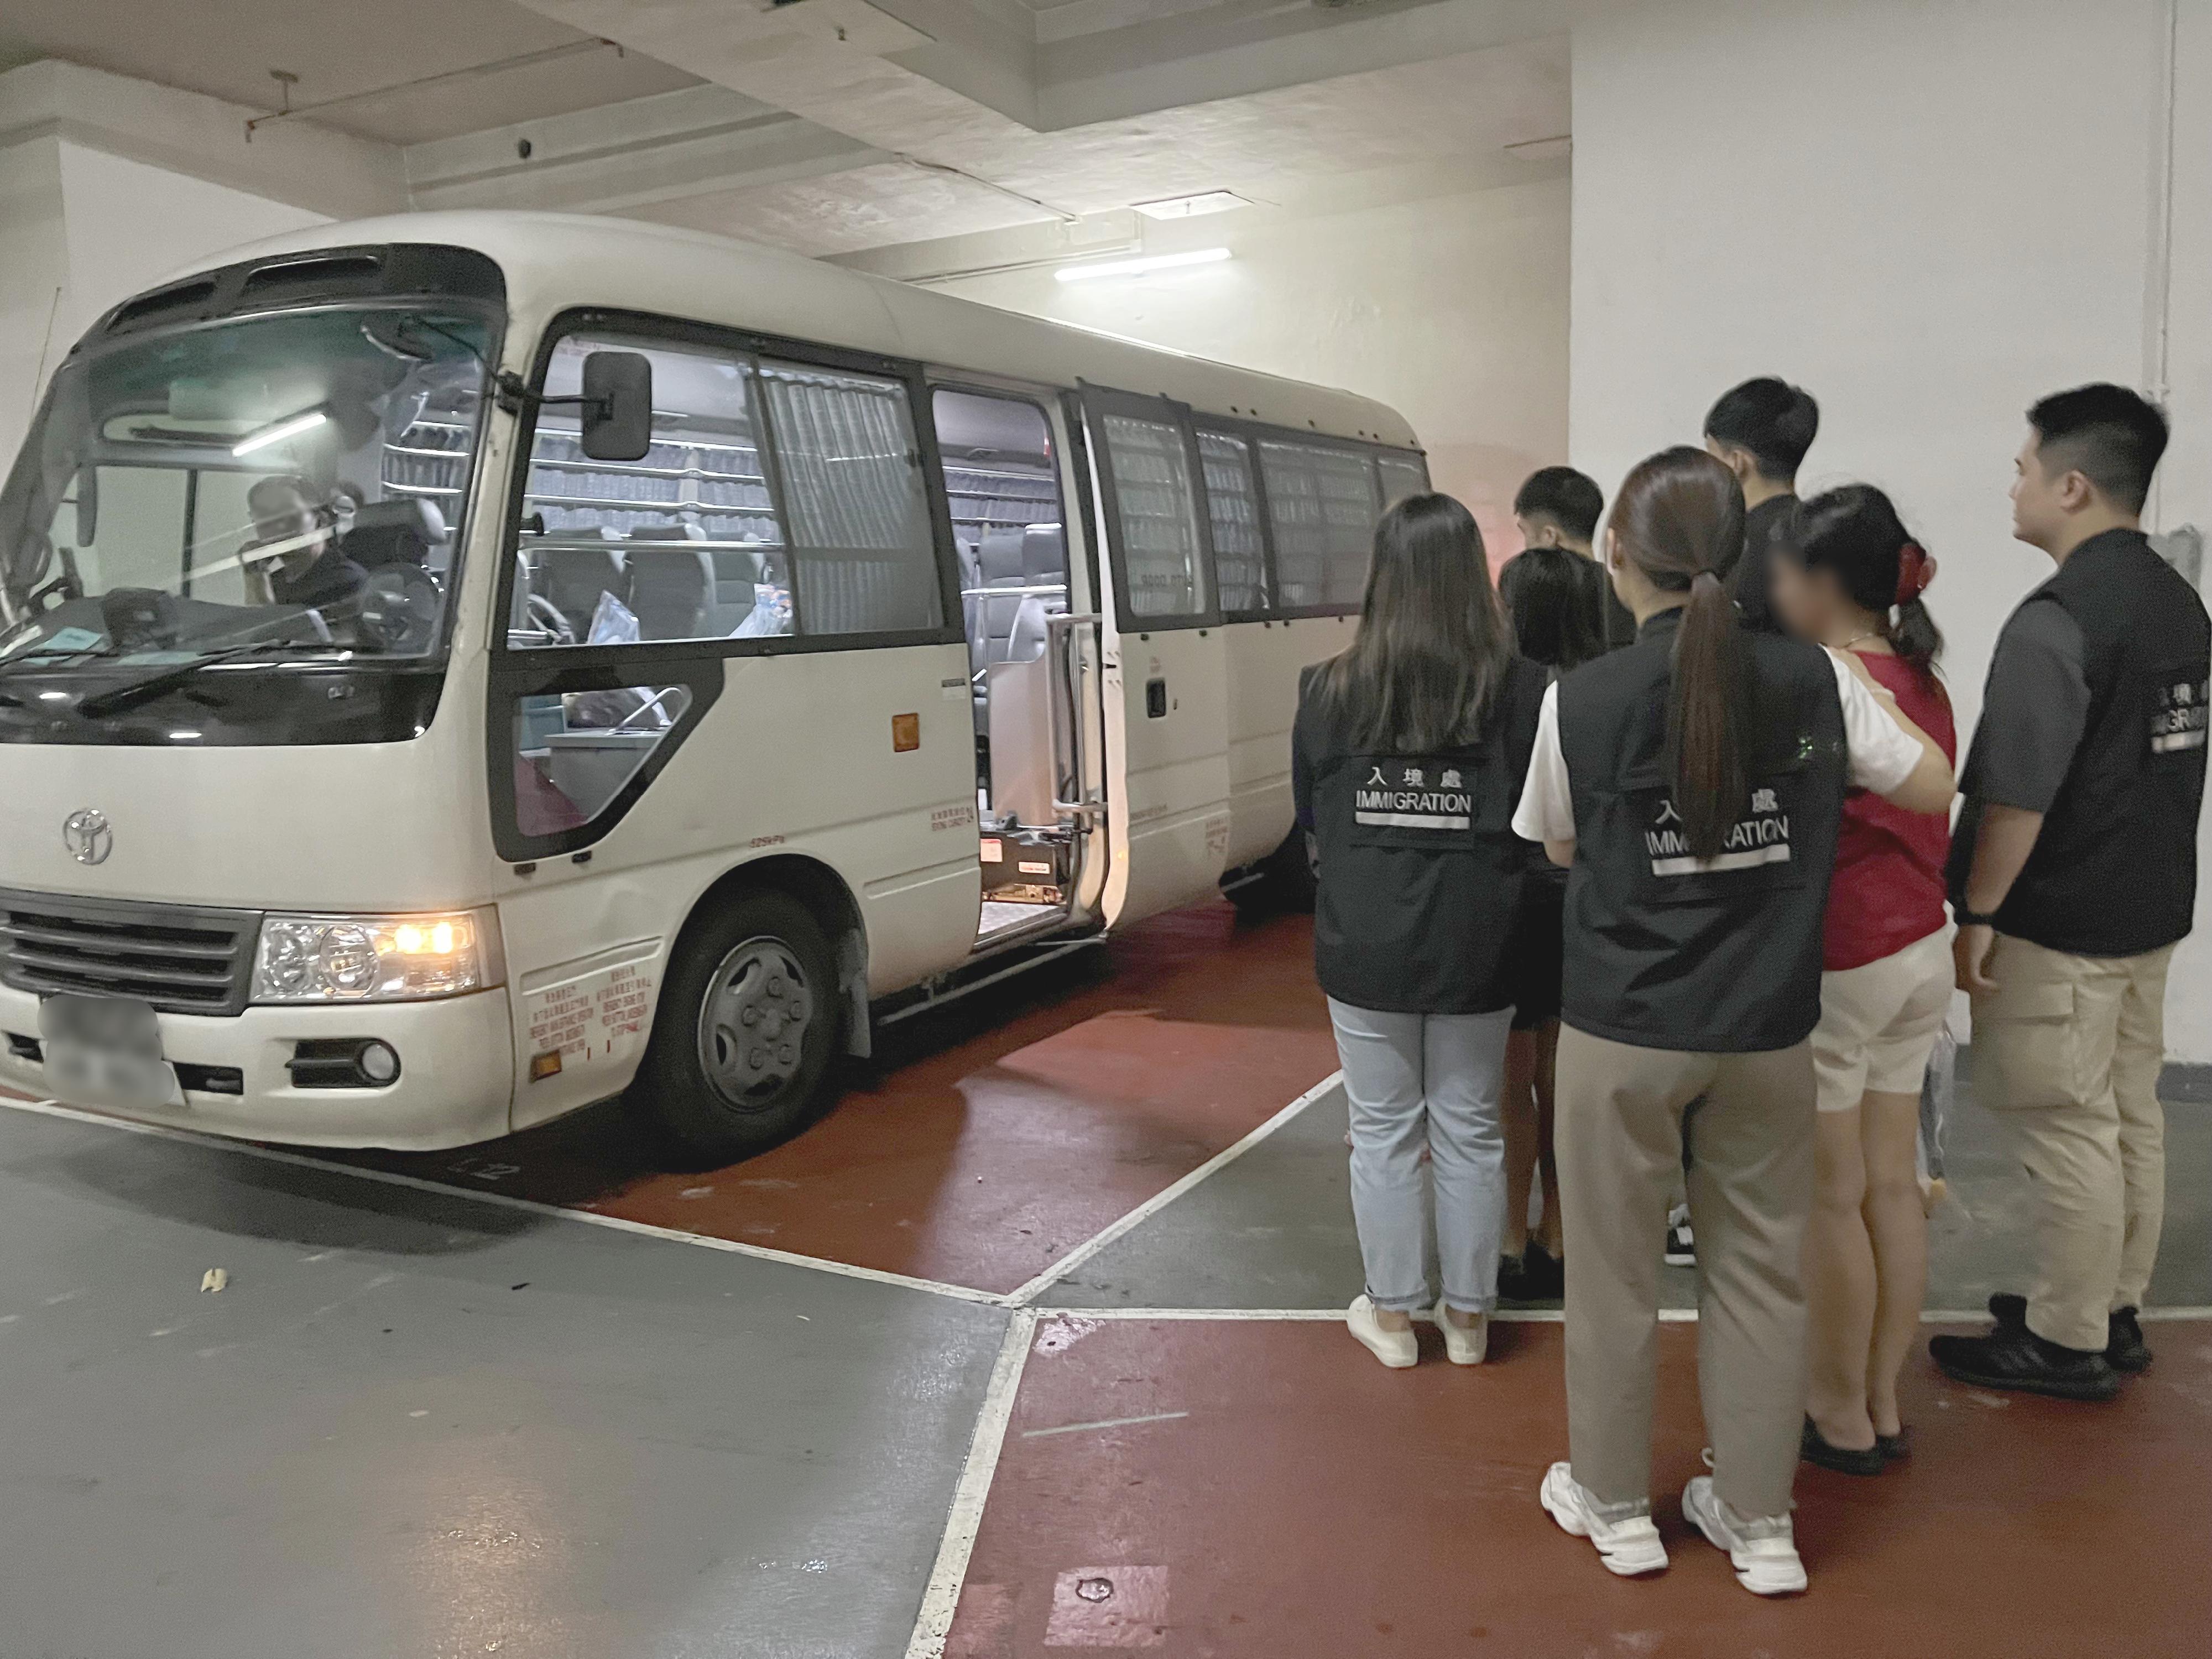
<point>106,1051</point>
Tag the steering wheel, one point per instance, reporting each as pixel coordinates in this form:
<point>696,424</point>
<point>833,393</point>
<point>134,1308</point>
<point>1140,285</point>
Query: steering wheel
<point>399,609</point>
<point>551,616</point>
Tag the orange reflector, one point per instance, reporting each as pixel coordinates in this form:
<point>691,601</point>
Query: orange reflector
<point>906,732</point>
<point>544,1065</point>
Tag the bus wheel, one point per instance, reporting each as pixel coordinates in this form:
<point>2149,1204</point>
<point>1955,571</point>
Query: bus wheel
<point>741,1054</point>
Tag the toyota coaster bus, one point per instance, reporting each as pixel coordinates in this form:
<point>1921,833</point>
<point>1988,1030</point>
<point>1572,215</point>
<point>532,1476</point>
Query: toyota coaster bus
<point>458,668</point>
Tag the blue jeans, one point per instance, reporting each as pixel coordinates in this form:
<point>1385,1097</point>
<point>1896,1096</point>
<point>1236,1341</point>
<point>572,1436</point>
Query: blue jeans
<point>1435,1079</point>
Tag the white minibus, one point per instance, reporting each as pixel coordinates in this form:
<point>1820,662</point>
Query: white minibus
<point>458,668</point>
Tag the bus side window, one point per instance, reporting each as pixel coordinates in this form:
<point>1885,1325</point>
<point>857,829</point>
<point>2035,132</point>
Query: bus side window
<point>1322,504</point>
<point>574,750</point>
<point>684,544</point>
<point>1163,559</point>
<point>1232,503</point>
<point>1401,475</point>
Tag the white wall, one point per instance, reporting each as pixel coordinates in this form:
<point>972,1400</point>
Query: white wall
<point>1453,310</point>
<point>82,229</point>
<point>1927,212</point>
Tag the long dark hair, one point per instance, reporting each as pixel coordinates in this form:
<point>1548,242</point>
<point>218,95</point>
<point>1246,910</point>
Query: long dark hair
<point>1419,675</point>
<point>1855,531</point>
<point>1677,518</point>
<point>1552,597</point>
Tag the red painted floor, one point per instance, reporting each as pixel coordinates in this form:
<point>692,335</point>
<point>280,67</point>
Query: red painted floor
<point>1305,1501</point>
<point>996,1133</point>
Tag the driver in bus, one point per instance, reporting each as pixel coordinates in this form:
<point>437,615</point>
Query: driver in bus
<point>311,571</point>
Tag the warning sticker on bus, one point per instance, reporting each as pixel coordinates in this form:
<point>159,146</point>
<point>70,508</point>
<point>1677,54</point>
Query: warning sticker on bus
<point>594,1019</point>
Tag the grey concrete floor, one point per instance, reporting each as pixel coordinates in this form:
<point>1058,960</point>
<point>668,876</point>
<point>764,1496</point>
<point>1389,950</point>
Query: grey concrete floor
<point>413,1425</point>
<point>419,1426</point>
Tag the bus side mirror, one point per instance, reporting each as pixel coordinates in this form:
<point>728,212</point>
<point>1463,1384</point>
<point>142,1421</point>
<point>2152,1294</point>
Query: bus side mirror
<point>617,411</point>
<point>87,507</point>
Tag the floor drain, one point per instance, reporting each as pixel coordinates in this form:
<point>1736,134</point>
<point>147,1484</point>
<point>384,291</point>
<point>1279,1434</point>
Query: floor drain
<point>1094,1590</point>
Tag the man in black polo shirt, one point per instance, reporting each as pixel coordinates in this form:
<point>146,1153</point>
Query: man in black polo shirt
<point>1559,506</point>
<point>1761,430</point>
<point>2073,874</point>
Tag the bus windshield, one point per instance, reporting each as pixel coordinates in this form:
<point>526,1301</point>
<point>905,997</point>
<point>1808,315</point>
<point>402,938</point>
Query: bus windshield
<point>274,488</point>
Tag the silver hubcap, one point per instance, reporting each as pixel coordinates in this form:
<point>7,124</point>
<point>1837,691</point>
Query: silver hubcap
<point>753,1024</point>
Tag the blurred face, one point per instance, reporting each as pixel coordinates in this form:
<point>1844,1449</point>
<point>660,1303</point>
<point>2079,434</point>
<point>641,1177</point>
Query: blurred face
<point>281,513</point>
<point>2041,505</point>
<point>1806,601</point>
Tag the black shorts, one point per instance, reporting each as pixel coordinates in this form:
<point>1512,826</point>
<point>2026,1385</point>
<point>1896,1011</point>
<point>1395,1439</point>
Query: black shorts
<point>1534,953</point>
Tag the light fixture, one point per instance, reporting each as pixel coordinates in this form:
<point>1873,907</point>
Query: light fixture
<point>1204,256</point>
<point>1190,207</point>
<point>290,426</point>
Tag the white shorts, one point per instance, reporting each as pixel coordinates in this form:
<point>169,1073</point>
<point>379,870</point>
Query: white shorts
<point>1878,1022</point>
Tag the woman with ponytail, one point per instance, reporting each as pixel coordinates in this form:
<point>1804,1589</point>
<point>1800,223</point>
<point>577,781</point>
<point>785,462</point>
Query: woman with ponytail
<point>1847,574</point>
<point>1693,784</point>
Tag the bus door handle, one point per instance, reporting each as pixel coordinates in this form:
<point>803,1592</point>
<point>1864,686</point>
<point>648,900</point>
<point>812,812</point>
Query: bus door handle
<point>1064,696</point>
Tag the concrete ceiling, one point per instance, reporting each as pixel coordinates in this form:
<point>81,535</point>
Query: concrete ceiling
<point>341,49</point>
<point>838,126</point>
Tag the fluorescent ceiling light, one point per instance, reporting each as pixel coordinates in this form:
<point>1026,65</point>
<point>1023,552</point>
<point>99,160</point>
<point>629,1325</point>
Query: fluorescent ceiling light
<point>1190,207</point>
<point>1204,256</point>
<point>290,428</point>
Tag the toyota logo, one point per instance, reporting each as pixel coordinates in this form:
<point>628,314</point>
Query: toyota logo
<point>88,836</point>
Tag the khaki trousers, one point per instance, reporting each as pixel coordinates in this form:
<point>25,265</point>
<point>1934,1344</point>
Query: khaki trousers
<point>1624,1115</point>
<point>2067,1052</point>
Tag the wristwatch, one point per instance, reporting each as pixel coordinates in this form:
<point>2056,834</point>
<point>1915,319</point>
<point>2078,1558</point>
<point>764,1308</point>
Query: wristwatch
<point>1966,918</point>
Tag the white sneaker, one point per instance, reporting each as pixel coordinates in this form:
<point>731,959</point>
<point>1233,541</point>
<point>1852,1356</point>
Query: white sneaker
<point>1464,1345</point>
<point>1396,1349</point>
<point>1763,1552</point>
<point>1628,1546</point>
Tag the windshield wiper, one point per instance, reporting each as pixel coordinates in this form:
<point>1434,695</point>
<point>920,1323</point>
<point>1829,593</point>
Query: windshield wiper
<point>137,691</point>
<point>46,653</point>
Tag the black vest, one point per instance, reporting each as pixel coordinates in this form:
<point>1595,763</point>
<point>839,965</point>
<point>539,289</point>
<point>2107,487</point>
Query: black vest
<point>1664,951</point>
<point>2114,870</point>
<point>1420,871</point>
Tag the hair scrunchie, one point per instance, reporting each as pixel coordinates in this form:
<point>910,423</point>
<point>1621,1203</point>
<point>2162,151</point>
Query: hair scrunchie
<point>1914,573</point>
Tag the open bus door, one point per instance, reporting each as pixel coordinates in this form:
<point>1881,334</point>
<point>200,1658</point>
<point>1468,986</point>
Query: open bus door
<point>1166,679</point>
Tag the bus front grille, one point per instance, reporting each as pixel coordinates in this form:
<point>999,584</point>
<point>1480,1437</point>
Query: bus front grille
<point>182,960</point>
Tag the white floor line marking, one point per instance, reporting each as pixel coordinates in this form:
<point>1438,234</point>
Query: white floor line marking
<point>504,1201</point>
<point>1514,1316</point>
<point>1103,1423</point>
<point>942,1598</point>
<point>1151,1206</point>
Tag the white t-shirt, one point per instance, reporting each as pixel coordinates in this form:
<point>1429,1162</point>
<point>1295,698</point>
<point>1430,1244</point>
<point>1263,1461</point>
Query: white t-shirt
<point>1878,752</point>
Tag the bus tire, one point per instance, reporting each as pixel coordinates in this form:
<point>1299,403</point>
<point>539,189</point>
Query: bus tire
<point>1286,883</point>
<point>744,1045</point>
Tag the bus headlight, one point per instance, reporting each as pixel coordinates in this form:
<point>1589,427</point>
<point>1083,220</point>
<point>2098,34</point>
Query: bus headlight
<point>376,958</point>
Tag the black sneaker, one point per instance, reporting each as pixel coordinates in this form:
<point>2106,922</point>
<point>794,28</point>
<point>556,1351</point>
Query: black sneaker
<point>2124,1350</point>
<point>1681,1243</point>
<point>1513,1278</point>
<point>2014,1357</point>
<point>1895,1446</point>
<point>1814,1448</point>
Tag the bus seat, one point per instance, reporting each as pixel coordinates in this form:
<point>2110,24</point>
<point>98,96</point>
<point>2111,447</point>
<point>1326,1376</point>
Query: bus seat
<point>574,577</point>
<point>1044,561</point>
<point>671,588</point>
<point>401,531</point>
<point>1027,641</point>
<point>1000,558</point>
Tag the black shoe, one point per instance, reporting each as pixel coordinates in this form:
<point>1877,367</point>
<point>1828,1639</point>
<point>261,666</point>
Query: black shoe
<point>2123,1343</point>
<point>2014,1357</point>
<point>2009,1308</point>
<point>1546,1274</point>
<point>1682,1245</point>
<point>1812,1446</point>
<point>1535,1275</point>
<point>1894,1446</point>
